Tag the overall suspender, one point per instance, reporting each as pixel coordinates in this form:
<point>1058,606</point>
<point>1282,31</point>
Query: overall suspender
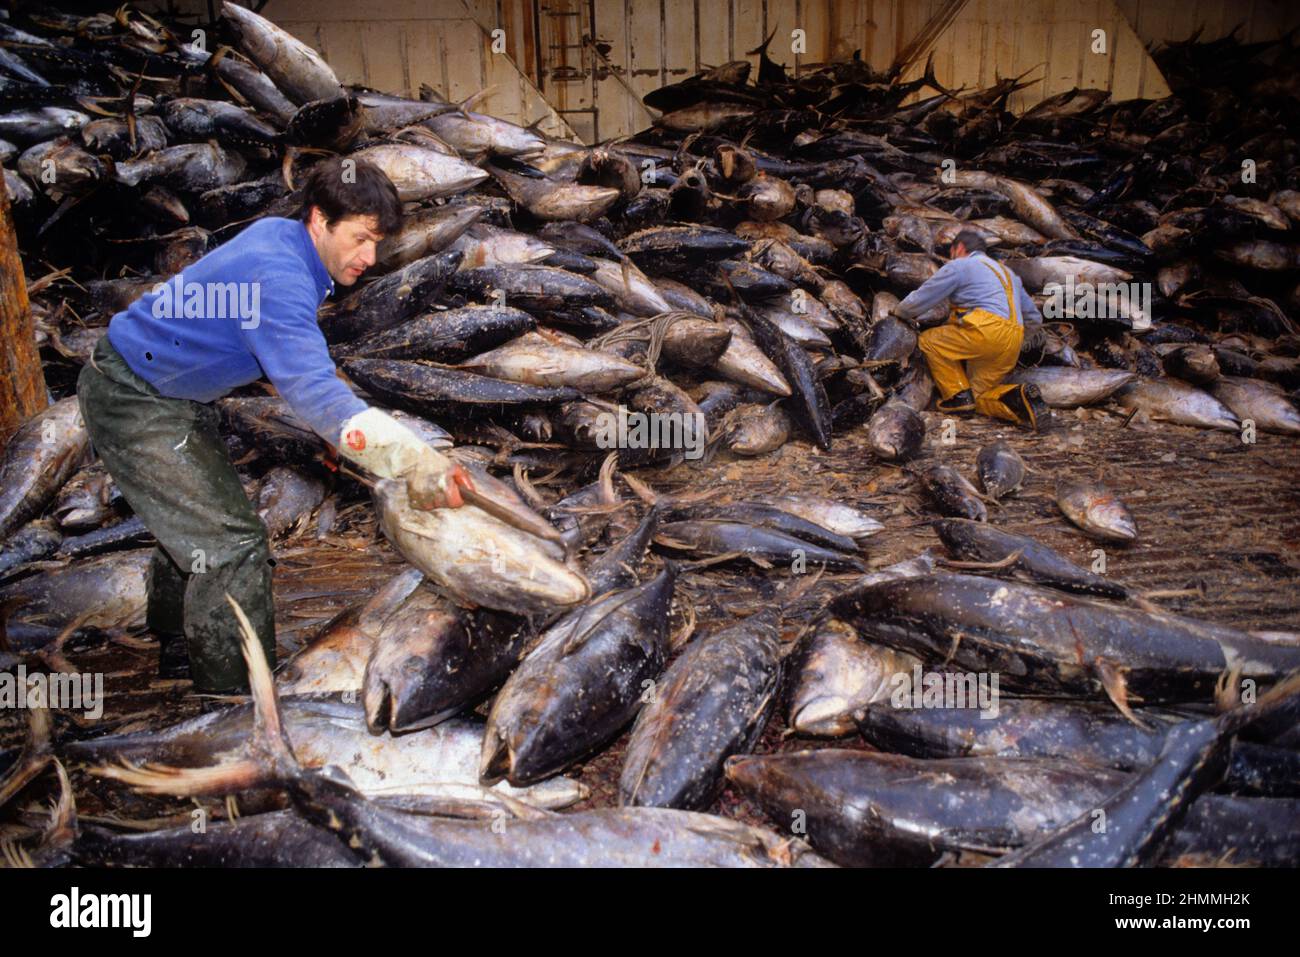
<point>1004,278</point>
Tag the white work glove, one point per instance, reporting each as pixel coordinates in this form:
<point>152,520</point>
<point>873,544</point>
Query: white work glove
<point>379,443</point>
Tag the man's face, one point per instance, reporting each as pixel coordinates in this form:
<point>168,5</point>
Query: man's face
<point>958,250</point>
<point>347,247</point>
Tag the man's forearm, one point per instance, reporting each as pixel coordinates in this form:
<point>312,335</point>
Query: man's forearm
<point>920,300</point>
<point>929,294</point>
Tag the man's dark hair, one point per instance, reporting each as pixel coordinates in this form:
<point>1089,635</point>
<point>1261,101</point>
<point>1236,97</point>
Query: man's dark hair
<point>972,240</point>
<point>357,189</point>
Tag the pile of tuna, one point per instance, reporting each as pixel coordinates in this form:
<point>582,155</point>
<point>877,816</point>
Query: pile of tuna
<point>733,266</point>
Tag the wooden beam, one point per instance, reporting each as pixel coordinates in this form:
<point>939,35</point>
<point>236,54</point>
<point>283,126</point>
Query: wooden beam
<point>921,43</point>
<point>22,383</point>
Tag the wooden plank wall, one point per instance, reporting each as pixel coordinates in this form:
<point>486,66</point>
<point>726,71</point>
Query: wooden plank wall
<point>1051,41</point>
<point>1157,21</point>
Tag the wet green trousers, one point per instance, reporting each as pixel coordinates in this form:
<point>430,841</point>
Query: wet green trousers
<point>173,470</point>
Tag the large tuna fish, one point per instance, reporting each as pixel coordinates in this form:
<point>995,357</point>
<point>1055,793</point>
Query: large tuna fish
<point>1263,403</point>
<point>744,362</point>
<point>1096,510</point>
<point>433,660</point>
<point>477,558</point>
<point>1063,387</point>
<point>1083,732</point>
<point>420,173</point>
<point>390,300</point>
<point>428,389</point>
<point>1000,468</point>
<point>107,593</point>
<point>447,336</point>
<point>298,70</point>
<point>808,403</point>
<point>1041,639</point>
<point>277,839</point>
<point>838,517</point>
<point>1172,401</point>
<point>335,659</point>
<point>583,682</point>
<point>36,462</point>
<point>895,432</point>
<point>864,809</point>
<point>712,703</point>
<point>1033,561</point>
<point>327,732</point>
<point>541,360</point>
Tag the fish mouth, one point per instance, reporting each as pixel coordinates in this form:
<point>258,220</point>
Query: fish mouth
<point>380,707</point>
<point>739,768</point>
<point>822,716</point>
<point>496,759</point>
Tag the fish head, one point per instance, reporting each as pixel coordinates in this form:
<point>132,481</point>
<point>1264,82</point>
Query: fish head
<point>403,684</point>
<point>1107,513</point>
<point>823,716</point>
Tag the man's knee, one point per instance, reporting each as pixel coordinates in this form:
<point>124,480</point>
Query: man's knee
<point>243,541</point>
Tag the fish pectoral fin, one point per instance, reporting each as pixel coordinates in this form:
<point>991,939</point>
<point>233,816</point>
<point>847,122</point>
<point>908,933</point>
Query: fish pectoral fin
<point>1225,688</point>
<point>952,649</point>
<point>1112,680</point>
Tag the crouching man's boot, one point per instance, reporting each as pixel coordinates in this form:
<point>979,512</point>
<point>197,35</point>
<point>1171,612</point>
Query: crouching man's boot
<point>960,404</point>
<point>1026,403</point>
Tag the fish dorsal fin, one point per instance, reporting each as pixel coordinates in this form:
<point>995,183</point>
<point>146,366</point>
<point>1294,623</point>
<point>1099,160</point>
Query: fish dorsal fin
<point>464,105</point>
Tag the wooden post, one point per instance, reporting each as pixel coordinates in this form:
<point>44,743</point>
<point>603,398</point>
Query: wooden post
<point>22,383</point>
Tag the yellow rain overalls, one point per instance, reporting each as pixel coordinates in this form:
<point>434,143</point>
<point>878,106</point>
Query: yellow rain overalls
<point>988,344</point>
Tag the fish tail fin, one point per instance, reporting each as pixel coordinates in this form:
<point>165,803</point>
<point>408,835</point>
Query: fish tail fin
<point>607,468</point>
<point>14,856</point>
<point>526,488</point>
<point>1283,696</point>
<point>641,489</point>
<point>268,726</point>
<point>929,79</point>
<point>761,49</point>
<point>63,812</point>
<point>464,105</point>
<point>272,761</point>
<point>1116,688</point>
<point>36,754</point>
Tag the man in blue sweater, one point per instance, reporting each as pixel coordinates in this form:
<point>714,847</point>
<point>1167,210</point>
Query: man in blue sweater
<point>977,348</point>
<point>244,311</point>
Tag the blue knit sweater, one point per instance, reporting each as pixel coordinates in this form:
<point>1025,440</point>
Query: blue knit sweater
<point>246,309</point>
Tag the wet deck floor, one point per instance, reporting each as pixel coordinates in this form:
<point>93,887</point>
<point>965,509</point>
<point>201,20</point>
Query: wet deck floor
<point>1218,523</point>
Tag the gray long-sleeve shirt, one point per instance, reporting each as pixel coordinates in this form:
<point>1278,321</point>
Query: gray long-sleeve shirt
<point>970,283</point>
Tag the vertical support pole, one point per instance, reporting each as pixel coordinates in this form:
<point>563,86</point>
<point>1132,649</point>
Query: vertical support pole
<point>22,383</point>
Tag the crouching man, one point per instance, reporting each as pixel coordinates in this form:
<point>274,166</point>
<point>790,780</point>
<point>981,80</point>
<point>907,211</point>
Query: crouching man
<point>971,355</point>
